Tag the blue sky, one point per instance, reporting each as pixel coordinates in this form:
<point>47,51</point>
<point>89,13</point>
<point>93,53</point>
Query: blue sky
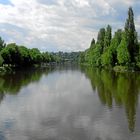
<point>5,2</point>
<point>61,25</point>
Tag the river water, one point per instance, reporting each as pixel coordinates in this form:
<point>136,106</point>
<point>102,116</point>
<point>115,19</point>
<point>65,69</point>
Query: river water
<point>69,103</point>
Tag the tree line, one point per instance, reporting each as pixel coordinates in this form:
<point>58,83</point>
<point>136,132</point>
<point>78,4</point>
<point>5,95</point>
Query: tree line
<point>67,56</point>
<point>21,56</point>
<point>121,49</point>
<point>15,55</point>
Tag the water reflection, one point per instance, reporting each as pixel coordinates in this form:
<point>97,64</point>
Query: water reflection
<point>122,88</point>
<point>68,103</point>
<point>12,83</point>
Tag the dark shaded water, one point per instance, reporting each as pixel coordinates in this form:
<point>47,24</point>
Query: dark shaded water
<point>69,103</point>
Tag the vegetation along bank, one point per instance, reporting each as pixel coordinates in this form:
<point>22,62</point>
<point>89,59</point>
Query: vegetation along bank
<point>120,52</point>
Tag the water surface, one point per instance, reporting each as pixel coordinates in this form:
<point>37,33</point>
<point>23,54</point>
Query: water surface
<point>69,103</point>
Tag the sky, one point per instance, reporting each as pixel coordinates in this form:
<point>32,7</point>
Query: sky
<point>61,25</point>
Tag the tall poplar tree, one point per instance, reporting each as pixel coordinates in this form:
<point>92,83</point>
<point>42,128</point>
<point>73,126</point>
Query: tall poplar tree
<point>108,37</point>
<point>100,38</point>
<point>131,35</point>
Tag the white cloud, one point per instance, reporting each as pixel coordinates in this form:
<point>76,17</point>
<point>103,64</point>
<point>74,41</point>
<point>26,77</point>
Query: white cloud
<point>62,23</point>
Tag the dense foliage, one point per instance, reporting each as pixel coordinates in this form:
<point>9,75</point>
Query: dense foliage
<point>19,56</point>
<point>120,50</point>
<point>66,56</point>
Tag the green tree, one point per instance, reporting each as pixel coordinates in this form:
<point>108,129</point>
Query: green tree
<point>10,54</point>
<point>131,35</point>
<point>24,56</point>
<point>100,38</point>
<point>108,37</point>
<point>82,57</point>
<point>2,44</point>
<point>107,58</point>
<point>123,55</point>
<point>96,55</point>
<point>35,55</point>
<point>46,57</point>
<point>89,53</point>
<point>116,40</point>
<point>118,36</point>
<point>6,56</point>
<point>14,53</point>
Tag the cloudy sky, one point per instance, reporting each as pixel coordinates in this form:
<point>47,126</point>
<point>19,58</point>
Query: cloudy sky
<point>61,25</point>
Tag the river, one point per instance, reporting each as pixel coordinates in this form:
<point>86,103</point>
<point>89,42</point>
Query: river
<point>69,103</point>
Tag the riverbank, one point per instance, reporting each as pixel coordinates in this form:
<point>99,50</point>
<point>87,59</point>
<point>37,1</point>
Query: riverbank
<point>121,69</point>
<point>124,69</point>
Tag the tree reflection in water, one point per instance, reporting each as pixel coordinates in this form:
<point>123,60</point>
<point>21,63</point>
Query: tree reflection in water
<point>119,88</point>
